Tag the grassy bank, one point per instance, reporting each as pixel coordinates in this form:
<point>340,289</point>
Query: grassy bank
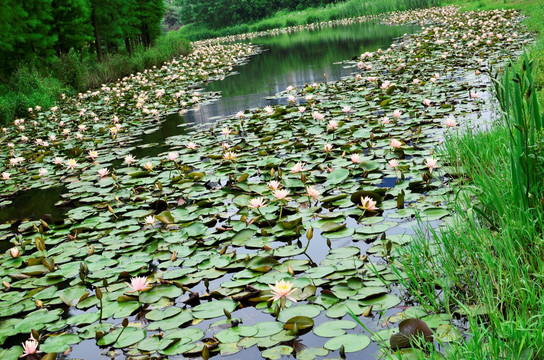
<point>36,85</point>
<point>347,9</point>
<point>489,262</point>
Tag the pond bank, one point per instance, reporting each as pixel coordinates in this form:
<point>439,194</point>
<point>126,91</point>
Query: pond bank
<point>236,207</point>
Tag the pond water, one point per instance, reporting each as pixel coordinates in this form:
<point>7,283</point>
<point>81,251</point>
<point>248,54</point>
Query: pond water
<point>289,59</point>
<point>203,219</point>
<point>296,58</point>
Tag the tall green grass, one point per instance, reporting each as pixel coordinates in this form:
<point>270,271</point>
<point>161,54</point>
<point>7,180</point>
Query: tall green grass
<point>41,84</point>
<point>489,263</point>
<point>341,10</point>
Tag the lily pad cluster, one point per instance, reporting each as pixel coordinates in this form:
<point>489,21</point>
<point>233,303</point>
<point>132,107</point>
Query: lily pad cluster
<point>319,192</point>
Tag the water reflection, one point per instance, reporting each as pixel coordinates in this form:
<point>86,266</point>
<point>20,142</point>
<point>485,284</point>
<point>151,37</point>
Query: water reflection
<point>288,59</point>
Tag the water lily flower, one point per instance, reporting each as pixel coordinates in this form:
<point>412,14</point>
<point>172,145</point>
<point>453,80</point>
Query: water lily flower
<point>450,122</point>
<point>42,172</point>
<point>103,172</point>
<point>58,160</point>
<point>298,167</point>
<point>274,185</point>
<point>397,114</point>
<point>225,146</point>
<point>5,175</point>
<point>240,114</point>
<point>395,143</point>
<point>327,147</point>
<point>301,109</point>
<point>257,203</point>
<point>281,289</point>
<point>385,120</point>
<point>318,116</point>
<point>229,156</point>
<point>367,203</point>
<point>148,166</point>
<point>172,156</point>
<point>281,194</point>
<point>312,192</point>
<point>394,163</point>
<point>431,163</point>
<point>14,251</point>
<point>71,163</point>
<point>332,125</point>
<point>150,220</point>
<point>138,284</point>
<point>191,146</point>
<point>93,154</point>
<point>426,102</point>
<point>129,159</point>
<point>269,109</point>
<point>474,95</point>
<point>30,347</point>
<point>346,109</point>
<point>355,158</point>
<point>226,132</point>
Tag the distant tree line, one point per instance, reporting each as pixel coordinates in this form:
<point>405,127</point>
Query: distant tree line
<point>221,13</point>
<point>45,29</point>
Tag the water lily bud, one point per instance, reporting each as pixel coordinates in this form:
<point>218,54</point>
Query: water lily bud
<point>342,352</point>
<point>303,178</point>
<point>110,209</point>
<point>125,322</point>
<point>91,250</point>
<point>98,293</point>
<point>206,283</point>
<point>290,270</point>
<point>205,352</point>
<point>272,172</point>
<point>368,311</point>
<point>14,251</point>
<point>227,314</point>
<point>310,233</point>
<point>371,136</point>
<point>6,284</point>
<point>329,243</point>
<point>38,303</point>
<point>174,256</point>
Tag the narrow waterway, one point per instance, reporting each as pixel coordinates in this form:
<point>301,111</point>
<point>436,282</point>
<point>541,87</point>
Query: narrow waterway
<point>296,58</point>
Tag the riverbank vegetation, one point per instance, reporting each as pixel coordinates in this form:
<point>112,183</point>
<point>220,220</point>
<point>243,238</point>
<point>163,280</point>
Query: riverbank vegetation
<point>197,30</point>
<point>488,263</point>
<point>52,47</point>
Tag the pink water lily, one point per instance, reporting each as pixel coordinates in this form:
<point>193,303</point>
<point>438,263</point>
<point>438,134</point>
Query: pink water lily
<point>327,147</point>
<point>274,185</point>
<point>103,172</point>
<point>281,194</point>
<point>129,159</point>
<point>367,203</point>
<point>298,167</point>
<point>14,251</point>
<point>395,143</point>
<point>257,203</point>
<point>30,347</point>
<point>355,158</point>
<point>450,122</point>
<point>431,163</point>
<point>281,289</point>
<point>312,192</point>
<point>394,163</point>
<point>138,284</point>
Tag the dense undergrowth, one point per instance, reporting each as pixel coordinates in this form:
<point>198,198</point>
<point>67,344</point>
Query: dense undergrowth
<point>35,84</point>
<point>488,263</point>
<point>342,10</point>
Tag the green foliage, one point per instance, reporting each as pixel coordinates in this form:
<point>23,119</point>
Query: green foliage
<point>285,18</point>
<point>74,72</point>
<point>488,261</point>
